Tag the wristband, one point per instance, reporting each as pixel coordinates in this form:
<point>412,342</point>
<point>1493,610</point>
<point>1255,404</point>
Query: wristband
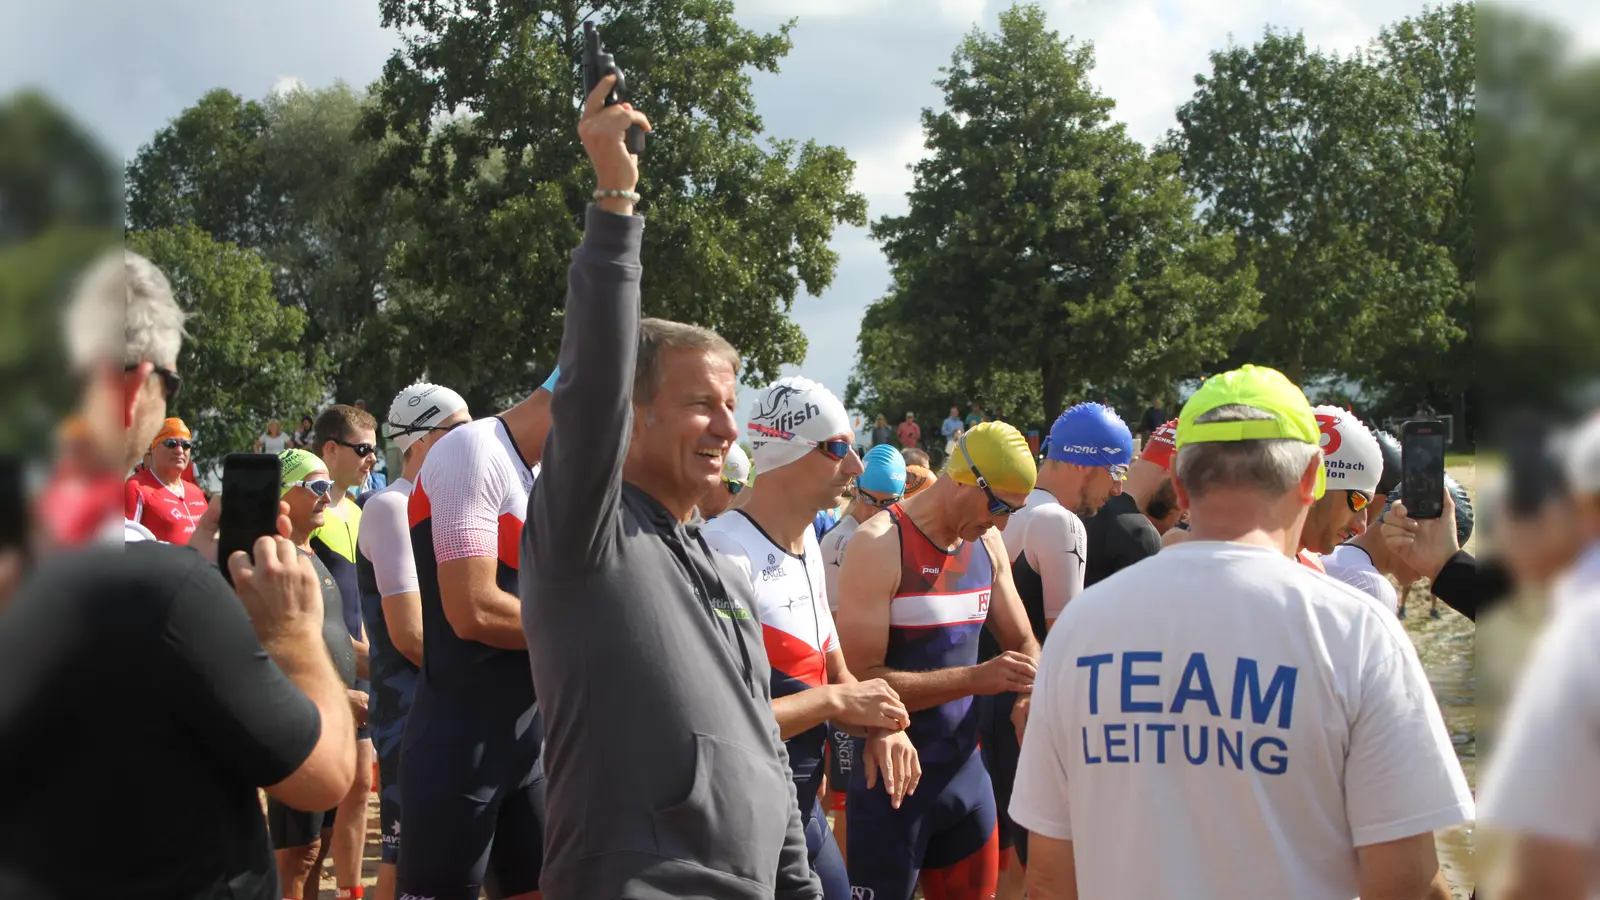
<point>630,196</point>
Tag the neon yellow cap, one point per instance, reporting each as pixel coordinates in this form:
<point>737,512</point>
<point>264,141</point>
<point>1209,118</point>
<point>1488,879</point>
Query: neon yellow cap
<point>295,465</point>
<point>1001,453</point>
<point>1257,387</point>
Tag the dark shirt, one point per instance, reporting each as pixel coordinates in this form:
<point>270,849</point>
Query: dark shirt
<point>882,434</point>
<point>667,774</point>
<point>1119,536</point>
<point>135,690</point>
<point>1471,586</point>
<point>334,630</point>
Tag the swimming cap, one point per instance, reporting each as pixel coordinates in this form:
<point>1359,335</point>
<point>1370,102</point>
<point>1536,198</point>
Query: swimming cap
<point>736,465</point>
<point>790,417</point>
<point>550,383</point>
<point>171,428</point>
<point>1583,457</point>
<point>1162,446</point>
<point>885,472</point>
<point>1260,388</point>
<point>1001,454</point>
<point>918,479</point>
<point>1390,479</point>
<point>1090,434</point>
<point>417,409</point>
<point>295,465</point>
<point>1464,513</point>
<point>1350,453</point>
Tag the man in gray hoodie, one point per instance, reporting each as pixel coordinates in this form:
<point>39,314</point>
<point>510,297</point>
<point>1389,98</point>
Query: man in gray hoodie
<point>667,775</point>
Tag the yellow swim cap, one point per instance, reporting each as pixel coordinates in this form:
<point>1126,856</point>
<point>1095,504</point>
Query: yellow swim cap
<point>1001,455</point>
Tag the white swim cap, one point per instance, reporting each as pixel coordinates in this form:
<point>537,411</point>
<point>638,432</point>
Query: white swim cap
<point>1350,453</point>
<point>790,417</point>
<point>417,409</point>
<point>1583,457</point>
<point>736,466</point>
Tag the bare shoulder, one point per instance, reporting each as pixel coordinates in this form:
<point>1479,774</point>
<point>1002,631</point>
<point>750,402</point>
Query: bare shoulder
<point>875,529</point>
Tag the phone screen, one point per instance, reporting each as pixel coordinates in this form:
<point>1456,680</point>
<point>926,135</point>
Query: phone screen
<point>250,491</point>
<point>1422,462</point>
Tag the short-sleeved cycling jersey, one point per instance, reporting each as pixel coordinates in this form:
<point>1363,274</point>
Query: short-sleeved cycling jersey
<point>171,516</point>
<point>470,773</point>
<point>1353,566</point>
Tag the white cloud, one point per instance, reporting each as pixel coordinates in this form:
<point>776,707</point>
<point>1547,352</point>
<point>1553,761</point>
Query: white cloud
<point>883,171</point>
<point>288,84</point>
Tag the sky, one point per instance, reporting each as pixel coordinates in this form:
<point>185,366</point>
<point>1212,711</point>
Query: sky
<point>858,76</point>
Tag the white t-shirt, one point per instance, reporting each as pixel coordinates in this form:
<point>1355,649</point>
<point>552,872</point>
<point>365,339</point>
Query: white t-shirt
<point>833,547</point>
<point>385,539</point>
<point>1351,565</point>
<point>1048,548</point>
<point>277,444</point>
<point>1250,719</point>
<point>1542,779</point>
<point>1582,581</point>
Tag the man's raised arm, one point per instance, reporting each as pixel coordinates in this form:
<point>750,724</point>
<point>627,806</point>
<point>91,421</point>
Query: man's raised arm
<point>591,411</point>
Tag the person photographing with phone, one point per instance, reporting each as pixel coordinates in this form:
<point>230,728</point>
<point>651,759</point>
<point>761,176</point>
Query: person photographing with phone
<point>200,693</point>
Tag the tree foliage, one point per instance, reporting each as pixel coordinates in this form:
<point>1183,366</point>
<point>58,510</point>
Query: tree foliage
<point>1045,254</point>
<point>242,362</point>
<point>478,110</point>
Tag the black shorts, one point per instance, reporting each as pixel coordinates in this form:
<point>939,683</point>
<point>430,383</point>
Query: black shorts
<point>843,751</point>
<point>474,801</point>
<point>1001,751</point>
<point>292,828</point>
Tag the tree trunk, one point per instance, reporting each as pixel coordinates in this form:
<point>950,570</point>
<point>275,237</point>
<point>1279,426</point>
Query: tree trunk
<point>1052,378</point>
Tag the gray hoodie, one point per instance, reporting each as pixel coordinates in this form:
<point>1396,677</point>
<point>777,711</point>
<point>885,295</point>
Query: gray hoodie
<point>667,774</point>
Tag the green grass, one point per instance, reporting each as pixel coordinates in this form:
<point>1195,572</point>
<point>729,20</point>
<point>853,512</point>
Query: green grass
<point>1451,460</point>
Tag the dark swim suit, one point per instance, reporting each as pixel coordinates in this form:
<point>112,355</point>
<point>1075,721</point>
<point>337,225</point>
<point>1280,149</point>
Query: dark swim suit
<point>946,831</point>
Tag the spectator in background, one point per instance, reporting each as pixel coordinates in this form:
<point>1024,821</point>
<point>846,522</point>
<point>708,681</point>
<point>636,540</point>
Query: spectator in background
<point>952,443</point>
<point>158,497</point>
<point>302,438</point>
<point>916,456</point>
<point>1424,409</point>
<point>910,432</point>
<point>975,417</point>
<point>274,441</point>
<point>361,405</point>
<point>1153,418</point>
<point>951,425</point>
<point>881,432</point>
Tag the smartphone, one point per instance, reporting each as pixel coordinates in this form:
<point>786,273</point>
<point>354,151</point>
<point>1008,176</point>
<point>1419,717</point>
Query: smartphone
<point>14,512</point>
<point>251,487</point>
<point>1422,468</point>
<point>597,64</point>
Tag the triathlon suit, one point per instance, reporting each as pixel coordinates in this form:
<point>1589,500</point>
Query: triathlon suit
<point>290,827</point>
<point>168,515</point>
<point>797,631</point>
<point>947,829</point>
<point>1046,543</point>
<point>1353,566</point>
<point>843,749</point>
<point>1310,560</point>
<point>335,544</point>
<point>384,567</point>
<point>470,773</point>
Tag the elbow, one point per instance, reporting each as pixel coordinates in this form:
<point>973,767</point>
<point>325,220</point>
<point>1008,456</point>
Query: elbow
<point>464,620</point>
<point>409,643</point>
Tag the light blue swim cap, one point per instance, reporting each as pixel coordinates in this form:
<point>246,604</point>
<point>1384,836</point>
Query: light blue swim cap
<point>885,471</point>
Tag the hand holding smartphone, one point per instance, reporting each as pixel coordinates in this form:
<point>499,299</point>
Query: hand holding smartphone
<point>251,486</point>
<point>597,64</point>
<point>1422,445</point>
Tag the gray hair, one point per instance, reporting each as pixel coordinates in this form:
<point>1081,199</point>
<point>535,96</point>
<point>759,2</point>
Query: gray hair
<point>658,335</point>
<point>1271,466</point>
<point>125,289</point>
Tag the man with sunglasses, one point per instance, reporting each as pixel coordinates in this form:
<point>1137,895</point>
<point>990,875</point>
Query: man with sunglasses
<point>1086,461</point>
<point>158,497</point>
<point>726,495</point>
<point>302,840</point>
<point>391,606</point>
<point>801,439</point>
<point>1354,463</point>
<point>917,588</point>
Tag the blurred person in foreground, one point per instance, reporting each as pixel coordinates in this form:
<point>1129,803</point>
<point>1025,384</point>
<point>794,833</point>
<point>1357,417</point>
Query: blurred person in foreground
<point>668,775</point>
<point>137,670</point>
<point>158,498</point>
<point>1543,783</point>
<point>1266,730</point>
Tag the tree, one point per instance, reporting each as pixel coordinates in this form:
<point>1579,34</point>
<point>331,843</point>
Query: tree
<point>1314,166</point>
<point>479,112</point>
<point>1043,248</point>
<point>241,363</point>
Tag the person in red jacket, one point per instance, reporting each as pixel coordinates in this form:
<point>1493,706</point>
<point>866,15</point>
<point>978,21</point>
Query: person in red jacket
<point>158,496</point>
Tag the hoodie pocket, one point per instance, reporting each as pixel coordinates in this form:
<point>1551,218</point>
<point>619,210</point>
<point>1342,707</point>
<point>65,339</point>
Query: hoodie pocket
<point>736,816</point>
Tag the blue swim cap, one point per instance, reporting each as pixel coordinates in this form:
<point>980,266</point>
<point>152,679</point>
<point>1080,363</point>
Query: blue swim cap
<point>885,473</point>
<point>1090,434</point>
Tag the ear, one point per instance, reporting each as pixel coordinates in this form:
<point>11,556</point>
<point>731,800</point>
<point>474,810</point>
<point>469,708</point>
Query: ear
<point>1181,491</point>
<point>1308,481</point>
<point>132,384</point>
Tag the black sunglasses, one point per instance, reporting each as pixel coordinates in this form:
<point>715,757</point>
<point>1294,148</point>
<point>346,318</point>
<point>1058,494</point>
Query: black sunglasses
<point>175,443</point>
<point>171,382</point>
<point>997,507</point>
<point>360,449</point>
<point>879,502</point>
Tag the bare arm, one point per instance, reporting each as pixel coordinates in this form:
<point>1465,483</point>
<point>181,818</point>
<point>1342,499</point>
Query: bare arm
<point>324,778</point>
<point>1008,618</point>
<point>363,653</point>
<point>1398,870</point>
<point>867,582</point>
<point>403,614</point>
<point>1052,871</point>
<point>799,713</point>
<point>475,606</point>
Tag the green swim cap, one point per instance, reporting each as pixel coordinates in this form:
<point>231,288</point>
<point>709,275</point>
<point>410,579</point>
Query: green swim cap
<point>296,465</point>
<point>1260,388</point>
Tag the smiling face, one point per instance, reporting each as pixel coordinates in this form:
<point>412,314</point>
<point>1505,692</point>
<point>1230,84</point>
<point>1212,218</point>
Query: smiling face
<point>679,438</point>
